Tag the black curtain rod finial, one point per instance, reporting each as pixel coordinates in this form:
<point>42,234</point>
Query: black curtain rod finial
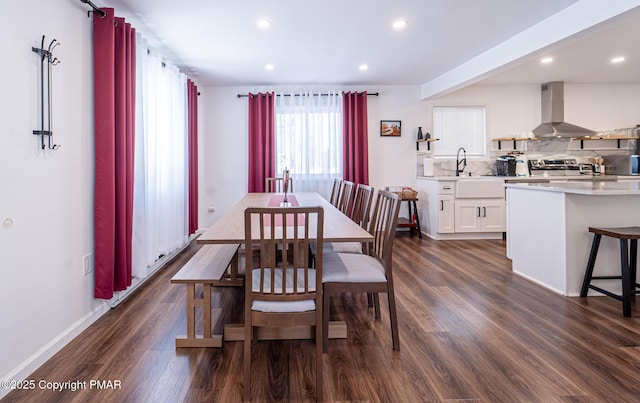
<point>96,9</point>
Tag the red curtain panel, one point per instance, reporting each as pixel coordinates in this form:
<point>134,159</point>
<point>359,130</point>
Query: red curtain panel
<point>261,140</point>
<point>355,162</point>
<point>114,50</point>
<point>192,116</point>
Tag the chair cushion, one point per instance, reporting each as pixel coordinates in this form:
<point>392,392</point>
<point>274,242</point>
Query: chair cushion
<point>352,268</point>
<point>338,247</point>
<point>283,306</point>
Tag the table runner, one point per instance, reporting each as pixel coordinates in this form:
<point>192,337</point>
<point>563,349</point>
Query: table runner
<point>274,201</point>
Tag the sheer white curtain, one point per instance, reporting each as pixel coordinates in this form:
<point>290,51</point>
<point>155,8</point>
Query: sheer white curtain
<point>309,139</point>
<point>160,184</point>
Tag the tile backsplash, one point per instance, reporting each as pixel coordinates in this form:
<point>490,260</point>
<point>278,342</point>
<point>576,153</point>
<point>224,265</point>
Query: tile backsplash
<point>538,149</point>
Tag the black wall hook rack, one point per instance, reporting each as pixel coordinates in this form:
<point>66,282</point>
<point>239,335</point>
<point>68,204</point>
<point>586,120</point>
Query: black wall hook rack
<point>46,61</point>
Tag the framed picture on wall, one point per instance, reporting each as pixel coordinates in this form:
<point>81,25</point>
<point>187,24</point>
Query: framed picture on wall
<point>390,128</point>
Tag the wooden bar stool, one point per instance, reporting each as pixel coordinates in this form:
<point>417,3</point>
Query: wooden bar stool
<point>628,260</point>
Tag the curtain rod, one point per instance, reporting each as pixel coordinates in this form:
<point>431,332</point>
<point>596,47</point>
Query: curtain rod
<point>101,13</point>
<point>373,94</point>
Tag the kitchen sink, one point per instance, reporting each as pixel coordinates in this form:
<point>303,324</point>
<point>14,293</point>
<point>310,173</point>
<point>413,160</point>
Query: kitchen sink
<point>476,188</point>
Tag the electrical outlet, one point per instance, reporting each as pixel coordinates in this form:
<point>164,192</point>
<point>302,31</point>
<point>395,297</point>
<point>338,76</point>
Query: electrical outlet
<point>87,264</point>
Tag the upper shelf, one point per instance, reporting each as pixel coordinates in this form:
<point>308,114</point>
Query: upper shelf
<point>612,137</point>
<point>428,141</point>
<point>514,139</point>
<point>616,137</point>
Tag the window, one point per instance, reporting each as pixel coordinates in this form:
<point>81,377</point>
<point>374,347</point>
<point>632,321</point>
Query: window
<point>459,126</point>
<point>309,139</point>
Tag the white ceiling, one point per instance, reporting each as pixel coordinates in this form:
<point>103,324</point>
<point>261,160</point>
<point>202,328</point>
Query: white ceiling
<point>218,42</point>
<point>583,58</point>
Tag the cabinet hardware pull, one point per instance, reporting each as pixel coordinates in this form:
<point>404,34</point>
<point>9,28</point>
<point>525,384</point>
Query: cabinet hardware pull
<point>441,205</point>
<point>478,211</point>
<point>484,211</point>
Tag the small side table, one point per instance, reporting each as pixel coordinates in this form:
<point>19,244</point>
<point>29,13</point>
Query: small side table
<point>413,222</point>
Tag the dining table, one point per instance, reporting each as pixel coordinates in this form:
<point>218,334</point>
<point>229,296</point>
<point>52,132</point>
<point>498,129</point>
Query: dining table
<point>229,229</point>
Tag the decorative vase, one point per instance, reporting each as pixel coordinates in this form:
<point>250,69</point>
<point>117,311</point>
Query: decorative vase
<point>420,133</point>
<point>285,185</point>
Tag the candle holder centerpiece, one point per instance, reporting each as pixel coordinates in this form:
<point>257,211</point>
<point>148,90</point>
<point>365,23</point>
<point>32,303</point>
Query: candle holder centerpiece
<point>285,187</point>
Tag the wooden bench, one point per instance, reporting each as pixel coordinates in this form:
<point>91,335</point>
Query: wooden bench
<point>211,266</point>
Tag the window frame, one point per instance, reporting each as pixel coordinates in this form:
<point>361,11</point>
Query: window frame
<point>479,150</point>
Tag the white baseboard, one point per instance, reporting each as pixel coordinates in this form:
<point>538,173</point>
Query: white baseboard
<point>120,296</point>
<point>50,349</point>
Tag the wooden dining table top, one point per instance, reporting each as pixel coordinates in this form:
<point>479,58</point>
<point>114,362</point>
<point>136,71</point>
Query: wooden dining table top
<point>229,229</point>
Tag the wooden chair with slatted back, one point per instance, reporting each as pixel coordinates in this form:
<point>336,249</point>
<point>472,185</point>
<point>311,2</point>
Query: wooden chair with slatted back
<point>335,192</point>
<point>283,292</point>
<point>361,210</point>
<point>276,185</point>
<point>371,272</point>
<point>360,214</point>
<point>345,203</point>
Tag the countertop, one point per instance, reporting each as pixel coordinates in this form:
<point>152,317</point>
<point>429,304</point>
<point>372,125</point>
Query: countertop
<point>527,179</point>
<point>583,188</point>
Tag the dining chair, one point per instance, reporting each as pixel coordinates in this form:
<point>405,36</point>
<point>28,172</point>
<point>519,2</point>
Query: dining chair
<point>335,192</point>
<point>360,214</point>
<point>276,185</point>
<point>361,210</point>
<point>346,197</point>
<point>283,292</point>
<point>369,272</point>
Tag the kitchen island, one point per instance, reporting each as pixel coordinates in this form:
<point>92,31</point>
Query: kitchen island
<point>548,238</point>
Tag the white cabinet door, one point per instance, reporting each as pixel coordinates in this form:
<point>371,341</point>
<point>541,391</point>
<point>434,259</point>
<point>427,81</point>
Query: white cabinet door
<point>445,214</point>
<point>468,216</point>
<point>493,216</point>
<point>480,215</point>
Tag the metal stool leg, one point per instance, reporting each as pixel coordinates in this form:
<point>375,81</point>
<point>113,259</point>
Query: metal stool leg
<point>590,264</point>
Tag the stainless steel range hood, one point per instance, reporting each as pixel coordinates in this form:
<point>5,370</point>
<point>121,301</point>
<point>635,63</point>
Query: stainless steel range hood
<point>552,112</point>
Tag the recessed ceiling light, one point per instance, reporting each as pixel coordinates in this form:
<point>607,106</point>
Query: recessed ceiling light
<point>546,60</point>
<point>619,59</point>
<point>399,24</point>
<point>269,67</point>
<point>363,67</point>
<point>263,23</point>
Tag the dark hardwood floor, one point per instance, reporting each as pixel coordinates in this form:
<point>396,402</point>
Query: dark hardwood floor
<point>469,330</point>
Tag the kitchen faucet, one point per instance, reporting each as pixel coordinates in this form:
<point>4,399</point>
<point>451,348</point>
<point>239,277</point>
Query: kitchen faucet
<point>463,161</point>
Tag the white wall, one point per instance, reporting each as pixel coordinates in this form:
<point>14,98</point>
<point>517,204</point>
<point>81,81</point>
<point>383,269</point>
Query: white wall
<point>602,107</point>
<point>512,109</point>
<point>44,297</point>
